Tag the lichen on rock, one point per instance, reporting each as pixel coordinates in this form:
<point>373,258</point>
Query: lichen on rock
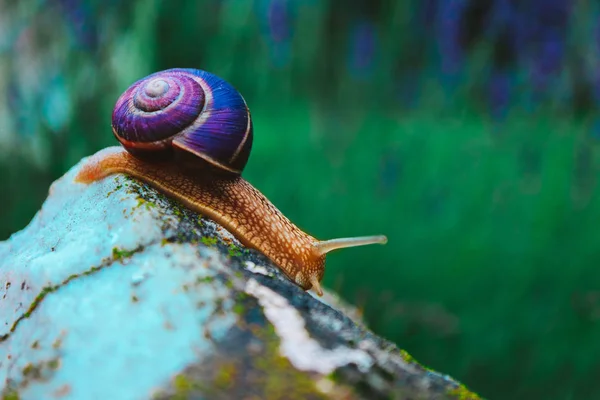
<point>114,291</point>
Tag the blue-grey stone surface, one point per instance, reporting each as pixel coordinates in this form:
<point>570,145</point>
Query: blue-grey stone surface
<point>115,292</point>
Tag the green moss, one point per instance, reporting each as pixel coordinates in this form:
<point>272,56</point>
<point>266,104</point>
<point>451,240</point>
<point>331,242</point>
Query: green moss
<point>31,371</point>
<point>182,384</point>
<point>225,376</point>
<point>462,393</point>
<point>209,241</point>
<point>266,371</point>
<point>10,393</point>
<point>408,358</point>
<point>57,343</point>
<point>39,371</point>
<point>205,279</point>
<point>184,388</point>
<point>234,251</point>
<point>411,360</point>
<point>43,293</point>
<point>53,364</point>
<point>280,379</point>
<point>241,296</point>
<point>141,202</point>
<point>117,188</point>
<point>119,254</point>
<point>239,309</point>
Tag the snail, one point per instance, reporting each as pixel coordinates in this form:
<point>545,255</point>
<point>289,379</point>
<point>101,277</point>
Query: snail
<point>188,134</point>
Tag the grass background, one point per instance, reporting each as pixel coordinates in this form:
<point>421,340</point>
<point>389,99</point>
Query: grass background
<point>466,131</point>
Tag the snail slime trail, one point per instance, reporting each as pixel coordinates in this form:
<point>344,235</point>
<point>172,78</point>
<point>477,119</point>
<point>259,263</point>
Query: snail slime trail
<point>188,133</point>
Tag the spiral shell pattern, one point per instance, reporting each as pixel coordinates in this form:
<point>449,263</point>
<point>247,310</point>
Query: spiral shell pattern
<point>186,109</point>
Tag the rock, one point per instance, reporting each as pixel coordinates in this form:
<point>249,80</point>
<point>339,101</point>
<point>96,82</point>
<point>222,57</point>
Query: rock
<point>115,292</point>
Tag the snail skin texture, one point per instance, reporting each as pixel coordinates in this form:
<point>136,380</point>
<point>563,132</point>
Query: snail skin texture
<point>188,134</point>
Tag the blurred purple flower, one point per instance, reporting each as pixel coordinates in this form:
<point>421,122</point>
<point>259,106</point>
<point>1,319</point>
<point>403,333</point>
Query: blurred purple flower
<point>594,74</point>
<point>83,26</point>
<point>362,49</point>
<point>548,61</point>
<point>544,27</point>
<point>533,35</point>
<point>279,24</point>
<point>429,8</point>
<point>503,22</point>
<point>277,29</point>
<point>448,31</point>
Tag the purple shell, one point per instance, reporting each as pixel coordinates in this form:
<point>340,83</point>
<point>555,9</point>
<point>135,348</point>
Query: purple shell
<point>185,109</point>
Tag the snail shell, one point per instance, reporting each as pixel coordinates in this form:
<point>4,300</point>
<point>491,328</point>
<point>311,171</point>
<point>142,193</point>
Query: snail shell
<point>186,110</point>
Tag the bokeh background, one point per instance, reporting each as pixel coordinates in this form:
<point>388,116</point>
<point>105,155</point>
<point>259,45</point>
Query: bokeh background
<point>465,130</point>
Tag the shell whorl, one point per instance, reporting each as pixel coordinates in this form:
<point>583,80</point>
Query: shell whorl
<point>185,109</point>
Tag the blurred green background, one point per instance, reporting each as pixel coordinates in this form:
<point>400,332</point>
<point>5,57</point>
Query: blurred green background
<point>465,130</point>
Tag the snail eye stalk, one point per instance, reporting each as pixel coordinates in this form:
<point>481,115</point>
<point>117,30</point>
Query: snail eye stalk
<point>326,246</point>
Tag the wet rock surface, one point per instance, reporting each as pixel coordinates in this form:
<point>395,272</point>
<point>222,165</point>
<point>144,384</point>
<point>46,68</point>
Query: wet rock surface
<point>114,291</point>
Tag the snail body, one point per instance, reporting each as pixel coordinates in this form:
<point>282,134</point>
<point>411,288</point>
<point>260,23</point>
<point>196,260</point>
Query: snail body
<point>194,150</point>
